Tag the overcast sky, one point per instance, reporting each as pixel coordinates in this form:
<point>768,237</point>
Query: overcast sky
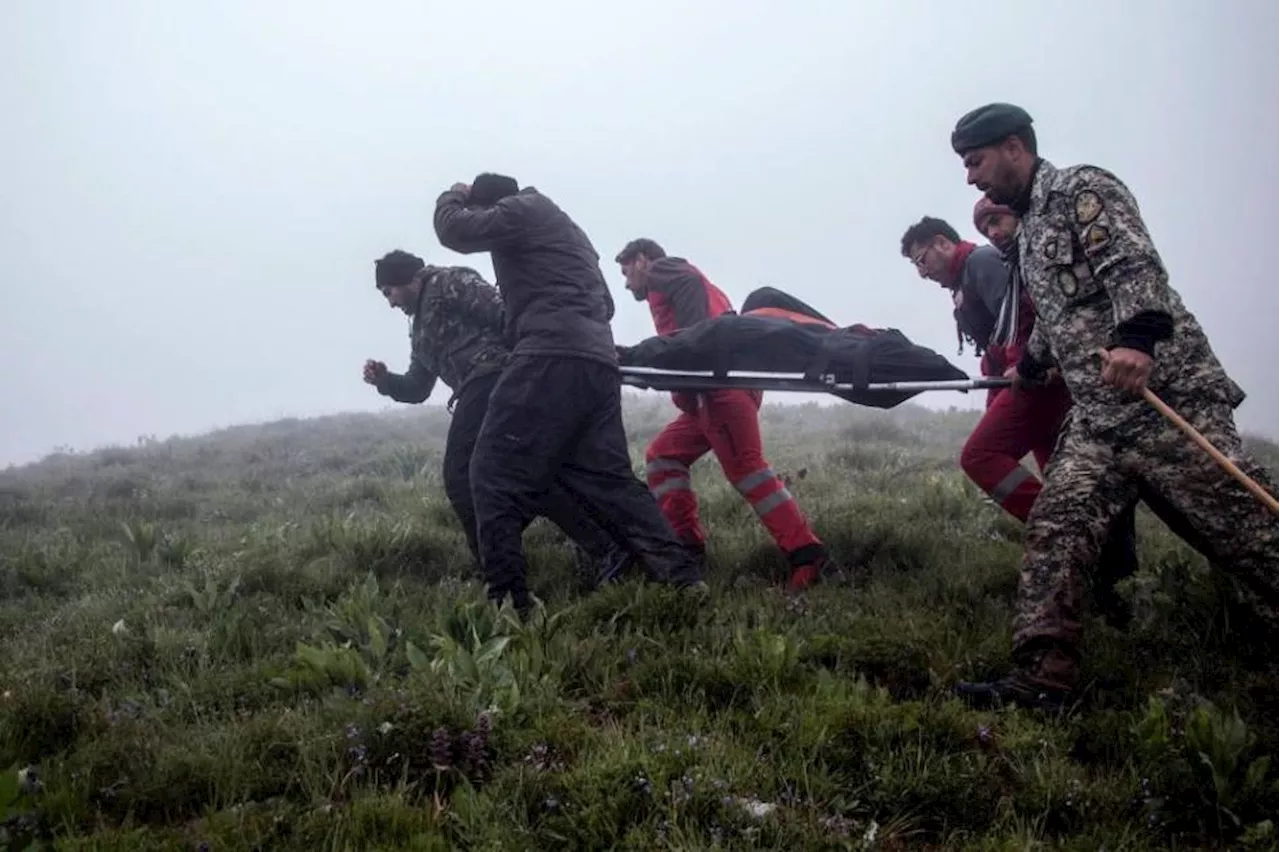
<point>194,193</point>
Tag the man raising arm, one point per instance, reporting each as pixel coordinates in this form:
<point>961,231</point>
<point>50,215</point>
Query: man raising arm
<point>555,416</point>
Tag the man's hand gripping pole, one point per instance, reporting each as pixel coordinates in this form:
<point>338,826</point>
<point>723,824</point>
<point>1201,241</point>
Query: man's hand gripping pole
<point>1194,434</point>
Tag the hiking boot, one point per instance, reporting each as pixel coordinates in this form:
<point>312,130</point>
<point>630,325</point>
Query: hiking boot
<point>1043,679</point>
<point>692,572</point>
<point>804,576</point>
<point>683,571</point>
<point>1017,689</point>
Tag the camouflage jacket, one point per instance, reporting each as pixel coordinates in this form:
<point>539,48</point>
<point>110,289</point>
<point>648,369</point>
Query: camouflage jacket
<point>455,334</point>
<point>1097,282</point>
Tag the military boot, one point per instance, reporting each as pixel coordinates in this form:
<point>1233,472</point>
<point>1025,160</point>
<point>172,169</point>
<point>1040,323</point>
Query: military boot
<point>1040,681</point>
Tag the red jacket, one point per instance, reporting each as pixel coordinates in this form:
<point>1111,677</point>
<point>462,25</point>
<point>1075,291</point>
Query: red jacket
<point>679,296</point>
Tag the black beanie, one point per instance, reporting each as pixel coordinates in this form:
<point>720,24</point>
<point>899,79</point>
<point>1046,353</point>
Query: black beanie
<point>396,268</point>
<point>489,188</point>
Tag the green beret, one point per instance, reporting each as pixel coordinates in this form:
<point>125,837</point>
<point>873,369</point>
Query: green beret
<point>988,125</point>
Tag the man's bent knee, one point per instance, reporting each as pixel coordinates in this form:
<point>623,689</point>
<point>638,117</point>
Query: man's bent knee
<point>973,456</point>
<point>457,484</point>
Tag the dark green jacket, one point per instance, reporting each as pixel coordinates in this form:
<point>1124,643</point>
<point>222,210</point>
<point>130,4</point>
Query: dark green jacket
<point>456,334</point>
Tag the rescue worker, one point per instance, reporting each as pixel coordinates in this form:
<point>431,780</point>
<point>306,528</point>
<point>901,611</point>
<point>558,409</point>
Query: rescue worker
<point>1014,424</point>
<point>1031,419</point>
<point>555,415</point>
<point>995,315</point>
<point>456,336</point>
<point>976,276</point>
<point>1098,283</point>
<point>723,421</point>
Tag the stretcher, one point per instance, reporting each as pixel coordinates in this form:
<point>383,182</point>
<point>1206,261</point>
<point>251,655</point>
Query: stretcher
<point>876,395</point>
<point>779,343</point>
<point>648,378</point>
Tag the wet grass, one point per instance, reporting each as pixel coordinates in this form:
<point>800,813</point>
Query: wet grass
<point>269,638</point>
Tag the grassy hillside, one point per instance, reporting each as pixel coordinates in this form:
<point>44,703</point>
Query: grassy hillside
<point>269,638</point>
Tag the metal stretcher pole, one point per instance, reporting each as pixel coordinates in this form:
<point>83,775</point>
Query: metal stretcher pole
<point>670,380</point>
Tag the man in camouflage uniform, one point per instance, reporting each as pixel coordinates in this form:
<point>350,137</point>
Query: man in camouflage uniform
<point>1098,283</point>
<point>456,336</point>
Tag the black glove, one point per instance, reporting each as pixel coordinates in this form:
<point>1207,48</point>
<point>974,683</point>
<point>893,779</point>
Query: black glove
<point>1031,372</point>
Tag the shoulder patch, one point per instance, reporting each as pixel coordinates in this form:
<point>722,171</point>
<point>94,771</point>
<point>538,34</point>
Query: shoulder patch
<point>1067,282</point>
<point>1088,206</point>
<point>1051,249</point>
<point>1096,236</point>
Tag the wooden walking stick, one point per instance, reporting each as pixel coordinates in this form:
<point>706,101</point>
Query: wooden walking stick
<point>1194,434</point>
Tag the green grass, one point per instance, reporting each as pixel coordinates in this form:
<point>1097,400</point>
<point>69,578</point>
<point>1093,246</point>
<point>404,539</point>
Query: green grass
<point>269,638</point>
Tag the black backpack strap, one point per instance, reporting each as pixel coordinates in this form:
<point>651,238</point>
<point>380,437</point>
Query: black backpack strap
<point>817,367</point>
<point>868,346</point>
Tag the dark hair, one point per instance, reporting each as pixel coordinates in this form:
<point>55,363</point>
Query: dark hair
<point>641,246</point>
<point>1027,136</point>
<point>490,188</point>
<point>925,230</point>
<point>396,268</point>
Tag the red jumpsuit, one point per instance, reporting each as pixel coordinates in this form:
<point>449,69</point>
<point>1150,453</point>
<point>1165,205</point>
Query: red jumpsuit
<point>1015,423</point>
<point>724,422</point>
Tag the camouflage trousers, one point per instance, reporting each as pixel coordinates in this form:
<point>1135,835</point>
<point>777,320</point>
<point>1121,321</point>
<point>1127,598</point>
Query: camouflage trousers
<point>1092,478</point>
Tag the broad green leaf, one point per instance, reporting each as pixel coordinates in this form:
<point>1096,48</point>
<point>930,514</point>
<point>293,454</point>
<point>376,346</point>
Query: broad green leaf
<point>377,642</point>
<point>417,658</point>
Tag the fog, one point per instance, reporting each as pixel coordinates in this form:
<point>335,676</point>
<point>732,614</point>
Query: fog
<point>194,194</point>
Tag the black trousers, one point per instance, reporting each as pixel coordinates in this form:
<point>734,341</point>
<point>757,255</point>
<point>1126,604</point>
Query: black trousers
<point>557,421</point>
<point>1117,561</point>
<point>555,504</point>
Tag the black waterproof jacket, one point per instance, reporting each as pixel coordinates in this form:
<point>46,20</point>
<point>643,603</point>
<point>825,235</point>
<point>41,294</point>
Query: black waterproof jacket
<point>557,301</point>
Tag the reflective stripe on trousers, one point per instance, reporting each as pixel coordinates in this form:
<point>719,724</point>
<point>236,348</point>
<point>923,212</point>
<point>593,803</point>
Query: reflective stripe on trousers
<point>765,503</point>
<point>678,479</point>
<point>671,485</point>
<point>1010,483</point>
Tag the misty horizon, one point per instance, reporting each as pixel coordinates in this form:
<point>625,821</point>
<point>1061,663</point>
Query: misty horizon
<point>195,196</point>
